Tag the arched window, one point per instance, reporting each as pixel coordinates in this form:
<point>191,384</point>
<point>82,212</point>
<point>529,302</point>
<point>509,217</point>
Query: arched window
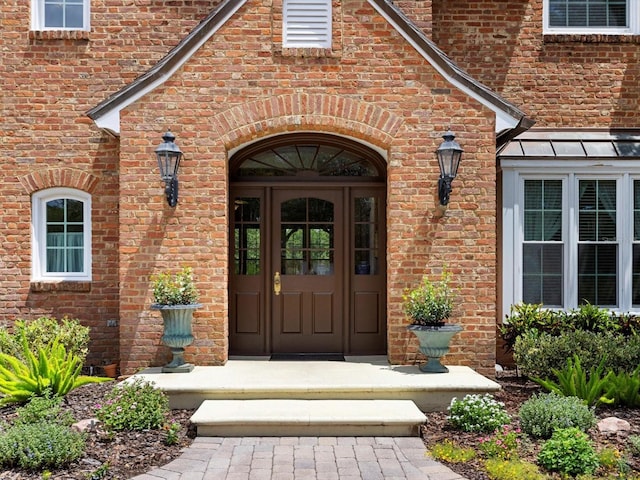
<point>307,157</point>
<point>61,235</point>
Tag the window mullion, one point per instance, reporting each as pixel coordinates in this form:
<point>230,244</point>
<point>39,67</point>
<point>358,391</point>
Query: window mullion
<point>571,262</point>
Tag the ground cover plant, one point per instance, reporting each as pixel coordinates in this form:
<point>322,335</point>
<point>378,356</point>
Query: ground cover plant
<point>511,453</point>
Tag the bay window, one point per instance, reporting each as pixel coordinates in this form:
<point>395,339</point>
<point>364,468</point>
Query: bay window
<point>571,238</point>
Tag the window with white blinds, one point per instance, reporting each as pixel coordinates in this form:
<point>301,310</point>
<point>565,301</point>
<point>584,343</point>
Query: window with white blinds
<point>591,16</point>
<point>578,241</point>
<point>60,15</point>
<point>306,24</point>
<point>61,226</point>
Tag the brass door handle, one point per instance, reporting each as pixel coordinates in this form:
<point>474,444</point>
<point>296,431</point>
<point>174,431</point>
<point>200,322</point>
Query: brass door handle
<point>277,286</point>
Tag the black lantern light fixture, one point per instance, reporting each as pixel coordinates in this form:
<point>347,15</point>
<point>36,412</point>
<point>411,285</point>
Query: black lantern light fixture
<point>449,154</point>
<point>169,156</point>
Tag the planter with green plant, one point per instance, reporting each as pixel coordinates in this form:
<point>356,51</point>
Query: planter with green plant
<point>429,306</point>
<point>176,296</point>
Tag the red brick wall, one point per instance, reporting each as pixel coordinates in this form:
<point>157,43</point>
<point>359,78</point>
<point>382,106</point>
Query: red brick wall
<point>48,81</point>
<point>222,99</point>
<point>561,81</point>
<point>240,86</point>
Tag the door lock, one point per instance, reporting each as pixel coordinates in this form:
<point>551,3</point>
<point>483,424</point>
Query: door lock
<point>277,286</point>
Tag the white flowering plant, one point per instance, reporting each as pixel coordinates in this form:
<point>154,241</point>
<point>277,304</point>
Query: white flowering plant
<point>478,413</point>
<point>176,289</point>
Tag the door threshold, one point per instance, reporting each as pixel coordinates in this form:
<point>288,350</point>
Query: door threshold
<point>322,357</point>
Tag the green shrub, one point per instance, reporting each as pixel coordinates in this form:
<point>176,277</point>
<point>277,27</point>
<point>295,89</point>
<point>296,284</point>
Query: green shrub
<point>43,409</point>
<point>527,317</point>
<point>499,469</point>
<point>538,354</point>
<point>53,372</point>
<point>502,444</point>
<point>40,445</point>
<point>135,405</point>
<point>42,332</point>
<point>634,445</point>
<point>545,412</point>
<point>593,387</point>
<point>478,413</point>
<point>569,451</point>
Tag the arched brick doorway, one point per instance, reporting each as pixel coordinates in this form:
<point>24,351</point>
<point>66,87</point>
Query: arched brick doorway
<point>307,247</point>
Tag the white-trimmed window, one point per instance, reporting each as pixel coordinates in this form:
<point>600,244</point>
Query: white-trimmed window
<point>60,15</point>
<point>61,235</point>
<point>592,16</point>
<point>306,24</point>
<point>571,238</point>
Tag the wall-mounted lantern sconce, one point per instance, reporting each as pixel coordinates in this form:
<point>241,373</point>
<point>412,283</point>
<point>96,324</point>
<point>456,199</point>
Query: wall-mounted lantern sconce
<point>449,154</point>
<point>169,156</point>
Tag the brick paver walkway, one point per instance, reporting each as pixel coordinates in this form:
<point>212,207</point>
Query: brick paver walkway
<point>304,458</point>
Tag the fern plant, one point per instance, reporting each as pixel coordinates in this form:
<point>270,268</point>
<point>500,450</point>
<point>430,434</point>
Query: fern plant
<point>574,381</point>
<point>626,387</point>
<point>54,371</point>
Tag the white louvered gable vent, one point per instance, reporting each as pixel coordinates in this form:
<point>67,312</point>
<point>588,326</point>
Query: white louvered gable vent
<point>307,24</point>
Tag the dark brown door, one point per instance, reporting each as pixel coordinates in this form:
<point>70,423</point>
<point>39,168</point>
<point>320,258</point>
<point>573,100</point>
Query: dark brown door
<point>307,255</point>
<point>306,282</point>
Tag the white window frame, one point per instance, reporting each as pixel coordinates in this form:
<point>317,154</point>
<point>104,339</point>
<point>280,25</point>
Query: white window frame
<point>515,172</point>
<point>39,231</point>
<point>38,17</point>
<point>291,23</point>
<point>633,14</point>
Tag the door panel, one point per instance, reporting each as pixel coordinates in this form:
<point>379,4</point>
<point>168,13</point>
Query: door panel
<point>307,235</point>
<point>247,319</point>
<point>328,245</point>
<point>367,333</point>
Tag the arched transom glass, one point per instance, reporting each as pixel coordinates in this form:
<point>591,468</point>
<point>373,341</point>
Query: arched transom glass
<point>306,155</point>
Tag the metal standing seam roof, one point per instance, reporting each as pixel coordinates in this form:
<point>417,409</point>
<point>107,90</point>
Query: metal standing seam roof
<point>510,120</point>
<point>573,144</point>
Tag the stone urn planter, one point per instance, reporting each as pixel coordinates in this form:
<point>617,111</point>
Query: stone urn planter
<point>175,296</point>
<point>434,344</point>
<point>428,306</point>
<point>177,334</point>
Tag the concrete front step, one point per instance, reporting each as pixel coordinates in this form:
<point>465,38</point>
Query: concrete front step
<point>317,418</point>
<point>359,378</point>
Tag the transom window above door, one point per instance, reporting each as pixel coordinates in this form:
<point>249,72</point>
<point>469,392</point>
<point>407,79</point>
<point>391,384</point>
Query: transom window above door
<point>305,157</point>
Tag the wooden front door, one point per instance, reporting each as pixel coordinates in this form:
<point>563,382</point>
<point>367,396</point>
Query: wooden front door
<point>307,249</point>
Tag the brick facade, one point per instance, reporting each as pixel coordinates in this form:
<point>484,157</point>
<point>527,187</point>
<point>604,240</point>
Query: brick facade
<point>240,86</point>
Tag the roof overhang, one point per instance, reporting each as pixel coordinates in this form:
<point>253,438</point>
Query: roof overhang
<point>509,120</point>
<point>106,114</point>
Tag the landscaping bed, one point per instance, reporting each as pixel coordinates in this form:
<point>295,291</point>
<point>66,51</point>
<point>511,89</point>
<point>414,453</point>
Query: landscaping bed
<point>515,391</point>
<point>123,455</point>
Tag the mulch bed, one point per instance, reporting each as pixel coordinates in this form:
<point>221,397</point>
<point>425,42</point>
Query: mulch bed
<point>127,454</point>
<point>515,391</point>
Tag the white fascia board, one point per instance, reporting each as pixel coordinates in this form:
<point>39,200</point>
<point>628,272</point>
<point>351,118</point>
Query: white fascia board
<point>111,119</point>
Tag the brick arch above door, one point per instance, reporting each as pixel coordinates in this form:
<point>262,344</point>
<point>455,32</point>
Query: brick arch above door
<point>318,112</point>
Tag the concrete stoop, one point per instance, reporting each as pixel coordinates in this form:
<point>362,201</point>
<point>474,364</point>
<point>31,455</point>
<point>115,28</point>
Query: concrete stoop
<point>318,418</point>
<point>364,396</point>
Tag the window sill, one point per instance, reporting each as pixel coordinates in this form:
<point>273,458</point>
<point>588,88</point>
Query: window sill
<point>58,35</point>
<point>63,286</point>
<point>590,38</point>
